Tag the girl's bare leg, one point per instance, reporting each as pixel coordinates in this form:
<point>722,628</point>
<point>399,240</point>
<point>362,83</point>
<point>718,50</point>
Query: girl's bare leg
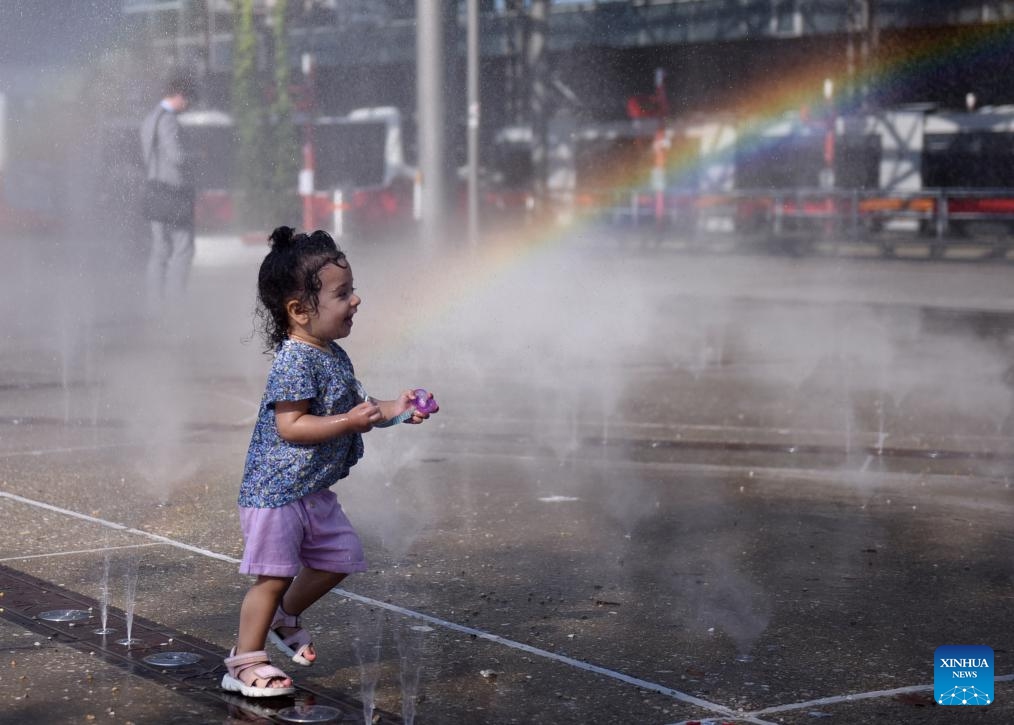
<point>255,617</point>
<point>258,610</point>
<point>308,586</point>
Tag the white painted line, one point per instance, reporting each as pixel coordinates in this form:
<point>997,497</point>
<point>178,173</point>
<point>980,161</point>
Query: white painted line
<point>858,696</point>
<point>78,551</point>
<point>830,477</point>
<point>724,712</point>
<point>118,527</point>
<point>833,701</point>
<point>58,510</point>
<point>644,684</point>
<point>68,449</point>
<point>748,433</point>
<point>588,667</point>
<point>844,698</point>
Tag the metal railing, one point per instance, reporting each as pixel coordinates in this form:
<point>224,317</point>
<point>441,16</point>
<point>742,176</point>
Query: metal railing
<point>842,214</point>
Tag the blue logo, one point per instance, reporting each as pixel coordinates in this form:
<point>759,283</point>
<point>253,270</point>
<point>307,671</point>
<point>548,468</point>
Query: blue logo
<point>963,674</point>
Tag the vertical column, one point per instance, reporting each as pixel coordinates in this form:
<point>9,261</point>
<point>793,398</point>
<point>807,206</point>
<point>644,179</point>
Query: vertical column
<point>430,105</point>
<point>307,185</point>
<point>538,72</point>
<point>209,38</point>
<point>473,121</point>
<point>515,61</point>
<point>862,26</point>
<point>870,43</point>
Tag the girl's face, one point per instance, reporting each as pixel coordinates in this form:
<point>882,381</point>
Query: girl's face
<point>337,304</point>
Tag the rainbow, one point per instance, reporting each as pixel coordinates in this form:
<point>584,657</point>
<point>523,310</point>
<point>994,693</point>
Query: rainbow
<point>897,65</point>
<point>465,272</point>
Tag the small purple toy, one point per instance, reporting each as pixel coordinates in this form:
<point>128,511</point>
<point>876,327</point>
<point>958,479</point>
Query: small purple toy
<point>423,402</point>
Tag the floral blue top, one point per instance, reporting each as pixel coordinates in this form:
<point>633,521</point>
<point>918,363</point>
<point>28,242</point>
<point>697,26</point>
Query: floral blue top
<point>278,472</point>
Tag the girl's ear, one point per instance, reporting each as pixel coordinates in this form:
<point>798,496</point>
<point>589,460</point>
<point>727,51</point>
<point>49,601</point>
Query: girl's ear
<point>297,312</point>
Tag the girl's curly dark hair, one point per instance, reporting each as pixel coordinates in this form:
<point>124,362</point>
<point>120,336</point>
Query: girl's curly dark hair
<point>292,270</point>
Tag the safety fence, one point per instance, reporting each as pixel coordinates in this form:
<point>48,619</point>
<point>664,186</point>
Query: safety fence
<point>943,215</point>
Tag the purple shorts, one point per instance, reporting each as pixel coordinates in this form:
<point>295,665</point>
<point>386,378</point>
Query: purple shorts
<point>312,532</point>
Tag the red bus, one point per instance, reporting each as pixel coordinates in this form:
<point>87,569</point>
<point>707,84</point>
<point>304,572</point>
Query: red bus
<point>360,155</point>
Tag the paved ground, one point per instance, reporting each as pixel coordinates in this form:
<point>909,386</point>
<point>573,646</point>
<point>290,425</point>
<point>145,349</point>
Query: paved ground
<point>664,486</point>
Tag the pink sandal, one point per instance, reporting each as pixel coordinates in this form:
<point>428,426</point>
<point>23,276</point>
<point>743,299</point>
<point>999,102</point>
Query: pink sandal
<point>262,669</point>
<point>296,644</point>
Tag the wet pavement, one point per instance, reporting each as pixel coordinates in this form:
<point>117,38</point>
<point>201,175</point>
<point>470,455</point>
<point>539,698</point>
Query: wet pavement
<point>664,487</point>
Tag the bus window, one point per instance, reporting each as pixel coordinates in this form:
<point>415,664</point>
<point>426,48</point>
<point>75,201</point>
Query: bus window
<point>970,159</point>
<point>350,155</point>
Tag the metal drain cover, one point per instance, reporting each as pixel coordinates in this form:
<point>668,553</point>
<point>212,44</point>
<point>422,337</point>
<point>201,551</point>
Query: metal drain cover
<point>65,615</point>
<point>144,656</point>
<point>173,659</point>
<point>310,713</point>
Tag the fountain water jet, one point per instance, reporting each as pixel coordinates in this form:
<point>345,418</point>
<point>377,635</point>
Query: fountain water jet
<point>367,645</point>
<point>130,598</point>
<point>104,598</point>
<point>410,641</point>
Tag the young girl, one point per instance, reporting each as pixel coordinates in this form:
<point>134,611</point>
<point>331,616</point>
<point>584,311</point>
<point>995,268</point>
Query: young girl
<point>298,542</point>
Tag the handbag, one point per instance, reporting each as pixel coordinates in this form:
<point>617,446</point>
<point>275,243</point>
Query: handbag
<point>164,202</point>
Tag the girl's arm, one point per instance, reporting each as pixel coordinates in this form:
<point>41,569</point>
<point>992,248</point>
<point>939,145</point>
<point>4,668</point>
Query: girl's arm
<point>296,425</point>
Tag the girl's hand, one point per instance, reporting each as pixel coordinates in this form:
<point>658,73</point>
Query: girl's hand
<point>364,416</point>
<point>406,401</point>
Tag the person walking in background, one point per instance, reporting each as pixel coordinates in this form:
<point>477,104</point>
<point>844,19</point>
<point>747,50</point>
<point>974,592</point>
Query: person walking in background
<point>309,432</point>
<point>168,196</point>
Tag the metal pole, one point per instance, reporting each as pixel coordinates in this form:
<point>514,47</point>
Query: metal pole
<point>338,207</point>
<point>659,148</point>
<point>306,180</point>
<point>537,66</point>
<point>209,39</point>
<point>870,43</point>
<point>430,105</point>
<point>473,122</point>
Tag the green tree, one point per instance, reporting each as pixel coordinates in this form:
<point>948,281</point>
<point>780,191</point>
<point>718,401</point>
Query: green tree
<point>284,143</point>
<point>267,160</point>
<point>248,115</point>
